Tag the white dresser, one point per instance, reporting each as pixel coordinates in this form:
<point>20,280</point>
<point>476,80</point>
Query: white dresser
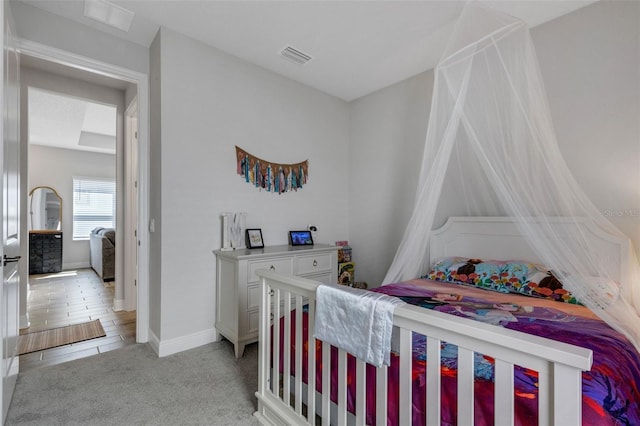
<point>238,287</point>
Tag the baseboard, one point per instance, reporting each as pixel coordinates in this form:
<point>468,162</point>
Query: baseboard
<point>75,265</point>
<point>154,342</point>
<point>118,305</point>
<point>24,321</point>
<point>183,343</point>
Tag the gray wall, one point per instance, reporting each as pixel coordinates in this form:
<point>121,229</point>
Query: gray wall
<point>590,65</point>
<point>210,102</point>
<point>387,135</point>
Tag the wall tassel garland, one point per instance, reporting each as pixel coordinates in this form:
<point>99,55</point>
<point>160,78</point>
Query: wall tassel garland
<point>271,177</point>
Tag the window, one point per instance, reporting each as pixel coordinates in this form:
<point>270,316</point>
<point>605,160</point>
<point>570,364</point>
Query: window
<point>94,205</point>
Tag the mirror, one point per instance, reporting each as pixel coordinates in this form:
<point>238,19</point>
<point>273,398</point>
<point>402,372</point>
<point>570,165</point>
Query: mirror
<point>45,209</point>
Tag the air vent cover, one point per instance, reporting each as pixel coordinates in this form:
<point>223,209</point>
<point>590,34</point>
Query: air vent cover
<point>295,55</point>
<point>109,13</point>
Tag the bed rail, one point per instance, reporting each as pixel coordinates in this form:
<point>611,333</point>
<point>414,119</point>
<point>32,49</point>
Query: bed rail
<point>285,400</point>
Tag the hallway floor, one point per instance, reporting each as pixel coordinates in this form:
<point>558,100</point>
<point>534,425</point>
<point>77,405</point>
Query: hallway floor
<point>72,297</point>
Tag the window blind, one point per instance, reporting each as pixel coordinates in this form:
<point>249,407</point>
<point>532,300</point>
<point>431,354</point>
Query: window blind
<point>94,205</point>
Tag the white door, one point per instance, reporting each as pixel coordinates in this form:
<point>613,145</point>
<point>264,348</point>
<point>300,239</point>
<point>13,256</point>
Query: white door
<point>9,308</point>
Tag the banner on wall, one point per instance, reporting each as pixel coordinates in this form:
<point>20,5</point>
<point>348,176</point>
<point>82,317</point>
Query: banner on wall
<point>270,176</point>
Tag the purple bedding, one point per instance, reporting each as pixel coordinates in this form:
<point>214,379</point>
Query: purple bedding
<point>611,394</point>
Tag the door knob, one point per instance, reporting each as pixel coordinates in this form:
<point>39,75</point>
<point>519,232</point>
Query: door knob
<point>8,259</point>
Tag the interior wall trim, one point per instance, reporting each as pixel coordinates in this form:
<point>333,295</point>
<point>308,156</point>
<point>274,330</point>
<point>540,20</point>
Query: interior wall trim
<point>183,343</point>
<point>118,305</point>
<point>141,80</point>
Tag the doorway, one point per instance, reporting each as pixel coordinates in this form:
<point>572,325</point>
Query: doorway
<point>74,133</point>
<point>134,267</point>
<point>75,137</point>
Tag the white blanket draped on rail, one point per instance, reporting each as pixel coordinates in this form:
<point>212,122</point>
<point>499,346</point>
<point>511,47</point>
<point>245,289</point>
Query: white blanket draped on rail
<point>358,321</point>
<point>491,147</point>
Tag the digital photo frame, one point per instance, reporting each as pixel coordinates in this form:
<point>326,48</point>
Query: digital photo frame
<point>300,238</point>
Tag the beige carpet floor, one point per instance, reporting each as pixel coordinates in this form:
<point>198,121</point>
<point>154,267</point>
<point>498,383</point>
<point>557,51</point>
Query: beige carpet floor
<point>132,386</point>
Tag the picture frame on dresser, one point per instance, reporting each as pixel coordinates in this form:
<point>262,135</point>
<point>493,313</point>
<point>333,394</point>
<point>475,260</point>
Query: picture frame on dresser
<point>253,238</point>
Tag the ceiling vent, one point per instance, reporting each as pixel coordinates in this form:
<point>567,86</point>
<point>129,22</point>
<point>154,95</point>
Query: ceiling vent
<point>294,55</point>
<point>109,13</point>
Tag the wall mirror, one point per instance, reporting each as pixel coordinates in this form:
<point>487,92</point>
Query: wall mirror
<point>45,209</point>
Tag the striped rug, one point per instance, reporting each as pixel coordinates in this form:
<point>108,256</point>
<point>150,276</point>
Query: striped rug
<point>41,340</point>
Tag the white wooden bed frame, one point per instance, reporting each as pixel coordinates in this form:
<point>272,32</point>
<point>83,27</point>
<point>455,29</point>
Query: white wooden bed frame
<point>282,397</point>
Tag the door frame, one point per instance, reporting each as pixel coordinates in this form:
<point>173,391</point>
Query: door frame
<point>130,243</point>
<point>10,242</point>
<point>141,81</point>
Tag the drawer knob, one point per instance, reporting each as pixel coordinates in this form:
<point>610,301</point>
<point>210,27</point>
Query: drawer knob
<point>273,268</point>
<point>315,262</point>
<point>270,292</point>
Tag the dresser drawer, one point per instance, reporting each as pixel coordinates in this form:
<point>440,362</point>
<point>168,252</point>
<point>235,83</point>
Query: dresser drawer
<point>253,296</point>
<point>313,263</point>
<point>281,266</point>
<point>253,321</point>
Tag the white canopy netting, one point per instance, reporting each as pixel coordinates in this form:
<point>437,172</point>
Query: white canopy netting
<point>490,139</point>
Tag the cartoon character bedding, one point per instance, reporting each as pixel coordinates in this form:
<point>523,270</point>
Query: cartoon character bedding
<point>611,390</point>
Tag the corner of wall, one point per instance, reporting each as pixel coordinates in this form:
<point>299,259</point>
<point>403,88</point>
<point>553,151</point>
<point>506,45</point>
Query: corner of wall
<point>183,343</point>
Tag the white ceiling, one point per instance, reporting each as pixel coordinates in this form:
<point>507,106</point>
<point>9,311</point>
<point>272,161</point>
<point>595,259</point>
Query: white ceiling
<point>66,122</point>
<point>358,46</point>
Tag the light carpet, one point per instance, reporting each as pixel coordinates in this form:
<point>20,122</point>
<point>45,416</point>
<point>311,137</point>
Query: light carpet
<point>41,340</point>
<point>201,386</point>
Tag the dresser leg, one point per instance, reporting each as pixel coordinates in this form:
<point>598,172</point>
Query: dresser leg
<point>239,347</point>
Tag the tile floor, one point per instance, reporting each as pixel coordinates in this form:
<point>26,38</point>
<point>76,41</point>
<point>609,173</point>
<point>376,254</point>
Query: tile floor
<point>72,297</point>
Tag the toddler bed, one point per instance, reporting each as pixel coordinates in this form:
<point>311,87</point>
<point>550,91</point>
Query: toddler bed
<point>487,374</point>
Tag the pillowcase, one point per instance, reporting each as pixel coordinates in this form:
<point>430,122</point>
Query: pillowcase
<point>535,280</point>
<point>481,273</point>
<point>503,276</point>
